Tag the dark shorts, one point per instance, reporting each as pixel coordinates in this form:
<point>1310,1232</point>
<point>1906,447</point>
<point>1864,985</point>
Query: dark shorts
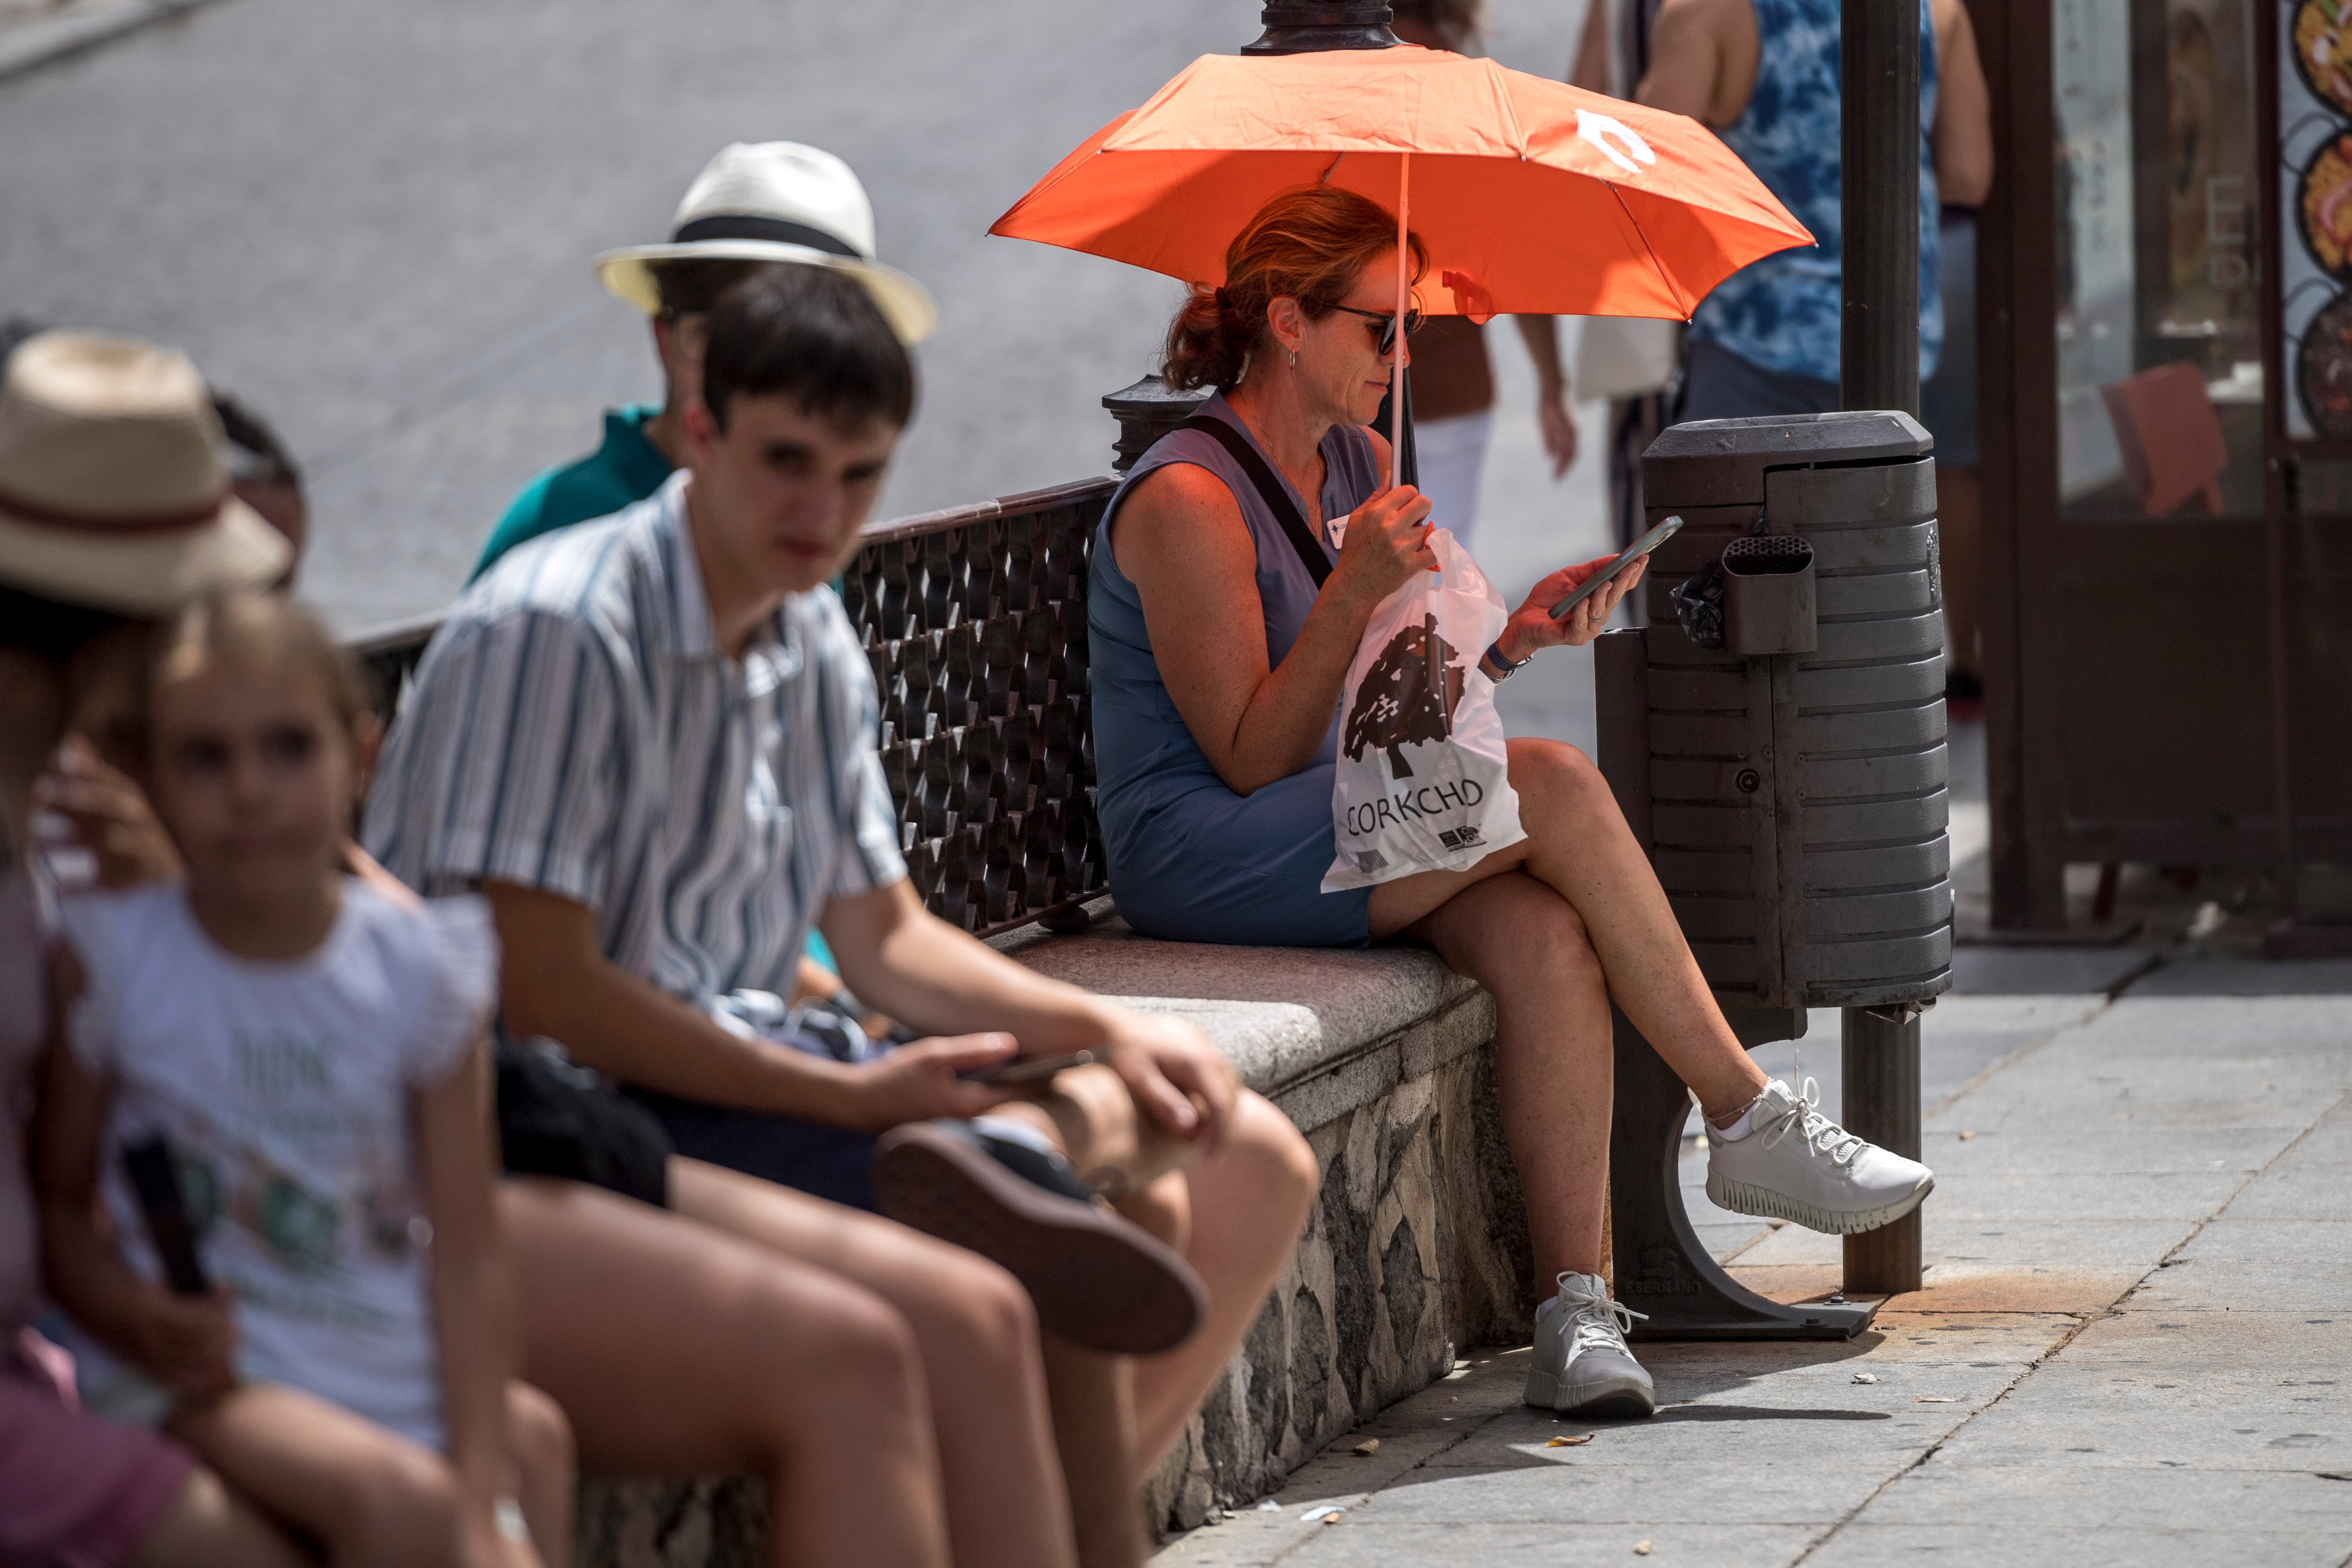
<point>559,1119</point>
<point>1947,401</point>
<point>832,1163</point>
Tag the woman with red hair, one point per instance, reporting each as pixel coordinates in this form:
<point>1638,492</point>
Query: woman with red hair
<point>1233,579</point>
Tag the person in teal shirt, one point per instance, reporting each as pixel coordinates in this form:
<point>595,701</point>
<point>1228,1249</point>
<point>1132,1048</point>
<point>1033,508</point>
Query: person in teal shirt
<point>753,206</point>
<point>627,467</point>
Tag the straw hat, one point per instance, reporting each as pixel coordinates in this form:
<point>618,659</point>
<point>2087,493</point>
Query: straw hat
<point>113,493</point>
<point>776,201</point>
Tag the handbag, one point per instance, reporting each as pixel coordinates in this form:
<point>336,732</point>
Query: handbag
<point>557,1118</point>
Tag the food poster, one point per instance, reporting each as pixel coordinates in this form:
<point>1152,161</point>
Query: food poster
<point>2315,107</point>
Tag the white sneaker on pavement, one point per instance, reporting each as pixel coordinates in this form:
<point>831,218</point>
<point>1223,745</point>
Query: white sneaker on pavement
<point>1795,1163</point>
<point>1579,1363</point>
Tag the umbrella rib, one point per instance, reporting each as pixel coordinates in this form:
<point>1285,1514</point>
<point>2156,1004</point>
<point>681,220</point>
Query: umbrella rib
<point>1510,111</point>
<point>1672,292</point>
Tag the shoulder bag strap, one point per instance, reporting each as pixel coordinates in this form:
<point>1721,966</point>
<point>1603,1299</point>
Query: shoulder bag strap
<point>1270,490</point>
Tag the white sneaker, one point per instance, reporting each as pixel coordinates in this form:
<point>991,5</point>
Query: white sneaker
<point>1580,1361</point>
<point>1793,1163</point>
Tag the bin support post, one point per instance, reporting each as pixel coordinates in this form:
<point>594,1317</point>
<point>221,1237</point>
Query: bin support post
<point>1879,1053</point>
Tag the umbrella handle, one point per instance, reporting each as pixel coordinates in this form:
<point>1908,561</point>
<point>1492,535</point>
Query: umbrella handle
<point>1396,361</point>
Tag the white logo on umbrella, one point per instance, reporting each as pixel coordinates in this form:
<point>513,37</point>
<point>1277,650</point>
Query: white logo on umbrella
<point>1619,142</point>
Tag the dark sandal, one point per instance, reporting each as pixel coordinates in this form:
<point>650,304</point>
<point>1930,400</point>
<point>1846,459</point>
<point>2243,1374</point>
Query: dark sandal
<point>1097,1280</point>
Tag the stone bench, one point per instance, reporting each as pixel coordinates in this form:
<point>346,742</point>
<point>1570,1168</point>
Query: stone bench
<point>1416,1248</point>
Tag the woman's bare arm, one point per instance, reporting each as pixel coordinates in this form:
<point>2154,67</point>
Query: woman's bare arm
<point>1962,143</point>
<point>1180,539</point>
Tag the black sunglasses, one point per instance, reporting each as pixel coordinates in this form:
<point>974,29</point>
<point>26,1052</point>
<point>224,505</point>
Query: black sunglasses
<point>1387,320</point>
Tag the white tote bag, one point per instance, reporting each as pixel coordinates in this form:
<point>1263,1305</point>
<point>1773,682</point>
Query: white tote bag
<point>1619,356</point>
<point>1423,781</point>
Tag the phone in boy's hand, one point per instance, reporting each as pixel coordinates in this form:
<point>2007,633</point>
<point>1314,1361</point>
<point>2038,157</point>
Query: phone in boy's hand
<point>155,1175</point>
<point>1029,1070</point>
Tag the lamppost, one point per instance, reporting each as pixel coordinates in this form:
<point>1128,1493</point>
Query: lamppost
<point>1301,27</point>
<point>1878,88</point>
<point>1149,408</point>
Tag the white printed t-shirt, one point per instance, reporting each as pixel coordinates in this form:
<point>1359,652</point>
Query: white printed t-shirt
<point>285,1089</point>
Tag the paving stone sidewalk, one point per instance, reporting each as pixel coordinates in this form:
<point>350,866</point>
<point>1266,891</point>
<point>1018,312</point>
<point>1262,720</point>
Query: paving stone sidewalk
<point>2134,1346</point>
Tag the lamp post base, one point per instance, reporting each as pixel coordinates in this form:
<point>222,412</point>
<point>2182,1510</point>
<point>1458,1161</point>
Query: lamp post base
<point>1663,1269</point>
<point>1879,1065</point>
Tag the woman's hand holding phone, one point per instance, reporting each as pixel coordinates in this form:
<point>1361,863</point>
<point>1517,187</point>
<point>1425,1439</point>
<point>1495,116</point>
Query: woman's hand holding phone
<point>1532,627</point>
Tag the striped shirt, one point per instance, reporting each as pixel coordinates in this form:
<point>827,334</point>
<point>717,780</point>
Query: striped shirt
<point>574,728</point>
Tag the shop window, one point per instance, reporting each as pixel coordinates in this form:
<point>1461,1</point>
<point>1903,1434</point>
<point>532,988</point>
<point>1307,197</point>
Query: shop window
<point>2159,322</point>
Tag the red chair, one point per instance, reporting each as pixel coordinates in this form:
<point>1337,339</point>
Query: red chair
<point>2170,436</point>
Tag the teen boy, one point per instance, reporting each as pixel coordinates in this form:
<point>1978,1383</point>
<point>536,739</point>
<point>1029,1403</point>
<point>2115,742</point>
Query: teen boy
<point>650,742</point>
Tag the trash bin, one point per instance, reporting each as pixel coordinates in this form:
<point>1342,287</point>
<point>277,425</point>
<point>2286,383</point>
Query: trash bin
<point>1796,801</point>
<point>1794,804</point>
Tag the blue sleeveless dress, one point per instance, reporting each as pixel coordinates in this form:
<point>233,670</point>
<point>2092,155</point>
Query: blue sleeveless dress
<point>1783,312</point>
<point>1190,860</point>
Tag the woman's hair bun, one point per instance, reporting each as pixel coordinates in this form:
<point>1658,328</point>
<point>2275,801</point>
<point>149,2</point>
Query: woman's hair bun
<point>1309,245</point>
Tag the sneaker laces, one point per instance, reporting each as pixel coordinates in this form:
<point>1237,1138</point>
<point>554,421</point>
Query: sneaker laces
<point>1599,1323</point>
<point>1820,1134</point>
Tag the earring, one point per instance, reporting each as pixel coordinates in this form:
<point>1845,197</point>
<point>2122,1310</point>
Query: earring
<point>1293,359</point>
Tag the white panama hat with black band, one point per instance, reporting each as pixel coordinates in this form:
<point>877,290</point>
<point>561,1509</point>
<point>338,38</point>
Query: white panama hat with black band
<point>776,201</point>
<point>114,492</point>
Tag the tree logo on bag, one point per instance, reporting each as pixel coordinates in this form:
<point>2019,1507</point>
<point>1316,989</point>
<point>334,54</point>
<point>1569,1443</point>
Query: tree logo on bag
<point>1407,697</point>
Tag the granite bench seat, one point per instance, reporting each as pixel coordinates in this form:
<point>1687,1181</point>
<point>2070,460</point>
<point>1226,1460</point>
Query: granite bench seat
<point>1317,1031</point>
<point>1416,1247</point>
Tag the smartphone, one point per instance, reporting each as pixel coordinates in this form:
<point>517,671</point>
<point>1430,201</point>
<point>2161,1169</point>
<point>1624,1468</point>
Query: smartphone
<point>1639,549</point>
<point>155,1180</point>
<point>1030,1069</point>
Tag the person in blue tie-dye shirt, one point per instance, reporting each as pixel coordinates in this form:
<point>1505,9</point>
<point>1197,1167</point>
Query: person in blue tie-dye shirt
<point>1764,74</point>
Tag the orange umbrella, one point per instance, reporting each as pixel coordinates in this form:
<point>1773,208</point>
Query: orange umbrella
<point>1532,196</point>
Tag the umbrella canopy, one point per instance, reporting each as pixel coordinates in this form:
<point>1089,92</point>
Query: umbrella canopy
<point>1532,196</point>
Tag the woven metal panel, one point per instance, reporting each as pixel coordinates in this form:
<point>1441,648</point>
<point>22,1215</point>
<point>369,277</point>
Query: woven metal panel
<point>976,622</point>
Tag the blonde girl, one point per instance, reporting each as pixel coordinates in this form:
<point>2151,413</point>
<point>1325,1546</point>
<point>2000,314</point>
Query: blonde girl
<point>312,1053</point>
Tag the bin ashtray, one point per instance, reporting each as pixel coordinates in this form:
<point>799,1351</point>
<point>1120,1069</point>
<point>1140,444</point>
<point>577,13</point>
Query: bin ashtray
<point>1768,595</point>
